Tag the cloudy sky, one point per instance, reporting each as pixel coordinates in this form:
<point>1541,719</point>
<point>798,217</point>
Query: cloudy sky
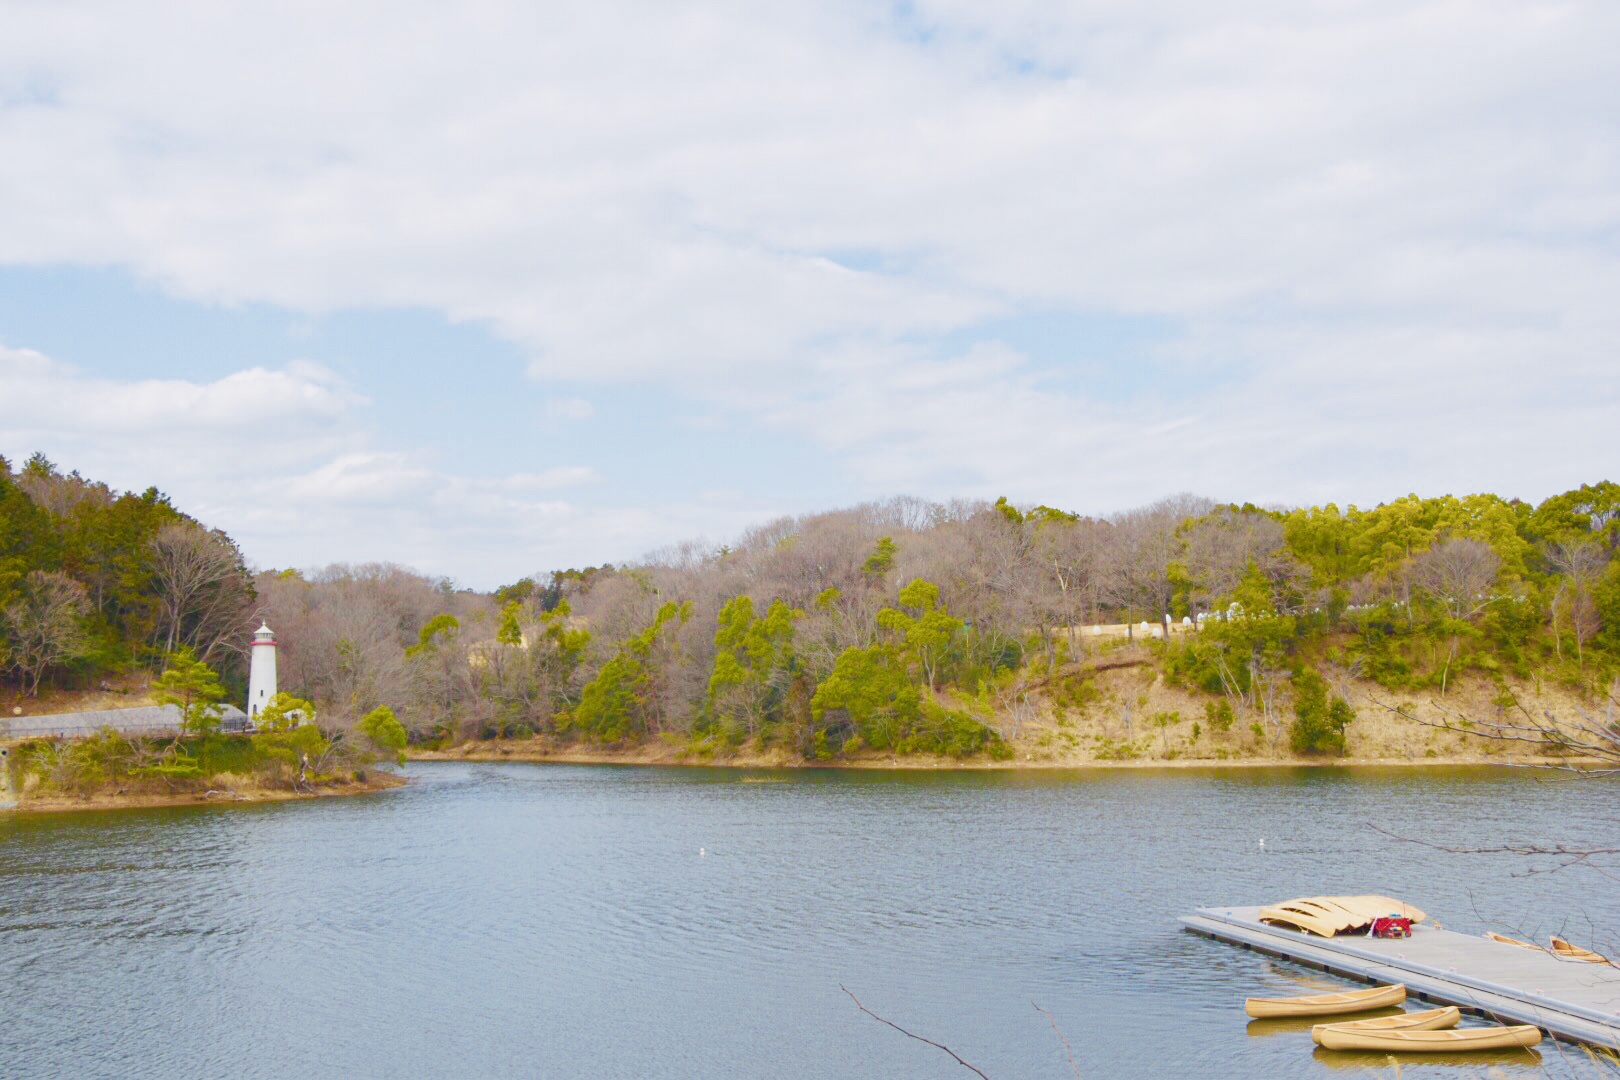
<point>489,289</point>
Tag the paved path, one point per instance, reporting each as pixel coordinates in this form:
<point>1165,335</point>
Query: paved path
<point>1567,998</point>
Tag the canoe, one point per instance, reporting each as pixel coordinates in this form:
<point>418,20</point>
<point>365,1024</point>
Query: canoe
<point>1492,935</point>
<point>1566,951</point>
<point>1423,1020</point>
<point>1338,1037</point>
<point>1326,916</point>
<point>1349,1001</point>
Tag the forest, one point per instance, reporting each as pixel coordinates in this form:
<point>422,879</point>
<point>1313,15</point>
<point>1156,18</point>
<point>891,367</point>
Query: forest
<point>901,626</point>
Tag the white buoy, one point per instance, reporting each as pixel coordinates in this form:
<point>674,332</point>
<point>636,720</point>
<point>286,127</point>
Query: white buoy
<point>701,853</point>
<point>1262,843</point>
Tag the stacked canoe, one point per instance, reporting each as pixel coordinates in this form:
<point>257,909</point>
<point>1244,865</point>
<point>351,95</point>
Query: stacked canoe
<point>1329,916</point>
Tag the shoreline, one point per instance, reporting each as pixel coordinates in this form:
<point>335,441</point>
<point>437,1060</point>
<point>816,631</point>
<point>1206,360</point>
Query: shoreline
<point>654,756</point>
<point>68,804</point>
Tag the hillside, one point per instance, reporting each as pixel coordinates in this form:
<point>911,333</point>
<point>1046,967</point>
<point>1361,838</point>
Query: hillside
<point>970,631</point>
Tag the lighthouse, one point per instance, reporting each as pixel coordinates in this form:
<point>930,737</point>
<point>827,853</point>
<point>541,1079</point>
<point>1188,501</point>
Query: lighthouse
<point>262,671</point>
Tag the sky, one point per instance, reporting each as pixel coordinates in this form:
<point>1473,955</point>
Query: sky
<point>490,289</point>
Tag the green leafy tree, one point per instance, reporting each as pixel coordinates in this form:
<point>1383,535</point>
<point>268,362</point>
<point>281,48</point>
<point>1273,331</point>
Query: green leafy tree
<point>1606,598</point>
<point>926,628</point>
<point>386,733</point>
<point>288,738</point>
<point>1590,512</point>
<point>284,712</point>
<point>1009,511</point>
<point>870,686</point>
<point>193,687</point>
<point>289,753</point>
<point>510,629</point>
<point>517,592</point>
<point>881,561</point>
<point>1319,718</point>
<point>615,705</point>
<point>753,661</point>
<point>440,628</point>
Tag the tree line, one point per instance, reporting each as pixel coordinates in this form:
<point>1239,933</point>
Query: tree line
<point>908,625</point>
<point>902,625</point>
<point>94,581</point>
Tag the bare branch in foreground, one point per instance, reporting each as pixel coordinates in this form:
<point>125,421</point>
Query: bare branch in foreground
<point>1568,855</point>
<point>908,1034</point>
<point>1594,739</point>
<point>1073,1068</point>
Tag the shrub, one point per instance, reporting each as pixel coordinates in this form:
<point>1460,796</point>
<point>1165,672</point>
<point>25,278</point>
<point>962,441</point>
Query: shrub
<point>1319,721</point>
<point>1219,714</point>
<point>1109,750</point>
<point>939,730</point>
<point>383,728</point>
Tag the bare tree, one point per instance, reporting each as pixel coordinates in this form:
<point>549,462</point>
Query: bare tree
<point>1458,573</point>
<point>204,593</point>
<point>1579,567</point>
<point>1219,549</point>
<point>1144,544</point>
<point>44,626</point>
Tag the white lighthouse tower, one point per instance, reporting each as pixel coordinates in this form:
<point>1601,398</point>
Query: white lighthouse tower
<point>262,671</point>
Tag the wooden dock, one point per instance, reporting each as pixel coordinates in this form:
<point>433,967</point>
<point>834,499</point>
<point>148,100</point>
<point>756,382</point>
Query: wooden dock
<point>1575,1001</point>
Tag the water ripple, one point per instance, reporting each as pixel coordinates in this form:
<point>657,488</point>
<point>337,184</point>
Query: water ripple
<point>514,920</point>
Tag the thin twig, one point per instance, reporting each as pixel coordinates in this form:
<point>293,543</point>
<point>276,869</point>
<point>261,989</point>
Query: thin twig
<point>909,1034</point>
<point>1570,856</point>
<point>1595,741</point>
<point>1073,1068</point>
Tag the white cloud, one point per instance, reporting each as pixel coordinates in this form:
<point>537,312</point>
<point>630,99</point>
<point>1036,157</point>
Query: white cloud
<point>568,408</point>
<point>43,396</point>
<point>283,461</point>
<point>1385,228</point>
<point>645,189</point>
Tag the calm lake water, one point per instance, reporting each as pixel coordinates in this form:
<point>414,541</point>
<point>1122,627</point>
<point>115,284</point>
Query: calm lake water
<point>559,921</point>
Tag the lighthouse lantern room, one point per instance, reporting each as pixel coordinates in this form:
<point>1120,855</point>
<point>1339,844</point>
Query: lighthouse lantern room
<point>261,671</point>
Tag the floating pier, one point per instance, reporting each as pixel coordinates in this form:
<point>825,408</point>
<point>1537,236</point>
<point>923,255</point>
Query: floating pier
<point>1572,1000</point>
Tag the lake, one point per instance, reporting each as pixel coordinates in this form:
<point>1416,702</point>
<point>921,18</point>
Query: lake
<point>511,920</point>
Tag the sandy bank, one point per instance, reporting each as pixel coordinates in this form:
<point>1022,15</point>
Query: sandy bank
<point>51,804</point>
<point>659,754</point>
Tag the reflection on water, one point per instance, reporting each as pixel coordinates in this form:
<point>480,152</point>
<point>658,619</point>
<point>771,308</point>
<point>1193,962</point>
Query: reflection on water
<point>1502,1062</point>
<point>520,920</point>
<point>1293,1025</point>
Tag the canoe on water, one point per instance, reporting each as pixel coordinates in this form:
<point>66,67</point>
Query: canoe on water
<point>1344,1037</point>
<point>1349,1001</point>
<point>1492,935</point>
<point>1423,1020</point>
<point>1566,951</point>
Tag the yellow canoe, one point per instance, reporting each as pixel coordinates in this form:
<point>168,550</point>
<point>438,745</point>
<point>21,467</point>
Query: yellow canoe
<point>1505,940</point>
<point>1350,1001</point>
<point>1423,1020</point>
<point>1342,1037</point>
<point>1326,916</point>
<point>1564,949</point>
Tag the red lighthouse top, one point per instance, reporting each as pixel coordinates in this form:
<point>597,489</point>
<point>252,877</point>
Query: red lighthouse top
<point>264,635</point>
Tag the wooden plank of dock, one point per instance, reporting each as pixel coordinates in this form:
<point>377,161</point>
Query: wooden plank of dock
<point>1572,1000</point>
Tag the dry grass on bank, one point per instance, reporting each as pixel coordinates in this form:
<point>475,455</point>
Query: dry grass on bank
<point>224,788</point>
<point>1113,723</point>
<point>126,691</point>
